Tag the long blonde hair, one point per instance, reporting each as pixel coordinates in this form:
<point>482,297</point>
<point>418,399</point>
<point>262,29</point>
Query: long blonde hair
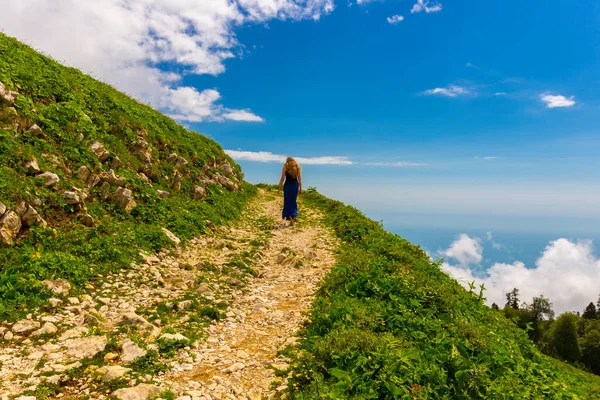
<point>292,168</point>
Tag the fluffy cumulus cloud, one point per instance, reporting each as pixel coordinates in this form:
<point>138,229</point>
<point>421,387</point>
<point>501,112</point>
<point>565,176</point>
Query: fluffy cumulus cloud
<point>567,273</point>
<point>466,250</point>
<point>394,19</point>
<point>557,101</point>
<point>266,156</point>
<point>449,91</point>
<point>125,42</point>
<point>425,5</point>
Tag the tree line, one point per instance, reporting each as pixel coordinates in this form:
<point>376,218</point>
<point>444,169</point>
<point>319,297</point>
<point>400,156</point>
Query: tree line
<point>571,337</point>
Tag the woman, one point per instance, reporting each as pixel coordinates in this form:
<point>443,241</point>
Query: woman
<point>291,172</point>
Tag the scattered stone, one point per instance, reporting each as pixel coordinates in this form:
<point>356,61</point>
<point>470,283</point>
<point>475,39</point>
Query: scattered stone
<point>184,305</point>
<point>10,226</point>
<point>35,130</point>
<point>171,236</point>
<point>177,178</point>
<point>25,325</point>
<point>83,173</point>
<point>7,95</point>
<point>141,149</point>
<point>135,320</point>
<point>25,398</point>
<point>227,169</point>
<point>163,194</point>
<point>87,220</point>
<point>108,357</point>
<point>73,333</point>
<point>143,391</point>
<point>8,336</point>
<point>100,151</point>
<point>2,209</point>
<point>54,302</point>
<point>199,193</point>
<point>123,198</point>
<point>131,351</point>
<point>73,300</point>
<point>113,178</point>
<point>104,190</point>
<point>115,162</point>
<point>178,161</point>
<point>85,347</point>
<point>20,208</point>
<point>49,178</point>
<point>32,167</point>
<point>32,217</point>
<point>54,379</point>
<point>144,178</point>
<point>35,202</point>
<point>111,373</point>
<point>58,286</point>
<point>234,368</point>
<point>211,225</point>
<point>48,329</point>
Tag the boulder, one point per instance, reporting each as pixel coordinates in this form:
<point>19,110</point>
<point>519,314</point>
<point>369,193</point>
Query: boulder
<point>227,169</point>
<point>100,151</point>
<point>32,167</point>
<point>2,209</point>
<point>131,351</point>
<point>85,347</point>
<point>104,190</point>
<point>144,178</point>
<point>35,130</point>
<point>7,95</point>
<point>10,226</point>
<point>88,220</point>
<point>177,178</point>
<point>73,333</point>
<point>171,236</point>
<point>143,391</point>
<point>25,325</point>
<point>199,193</point>
<point>141,149</point>
<point>83,173</point>
<point>225,182</point>
<point>36,202</point>
<point>20,208</point>
<point>163,194</point>
<point>72,197</point>
<point>115,163</point>
<point>49,178</point>
<point>32,217</point>
<point>58,286</point>
<point>113,178</point>
<point>48,329</point>
<point>111,373</point>
<point>178,161</point>
<point>123,198</point>
<point>173,337</point>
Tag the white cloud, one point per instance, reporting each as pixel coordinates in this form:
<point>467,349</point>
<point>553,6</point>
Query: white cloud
<point>423,5</point>
<point>466,250</point>
<point>490,238</point>
<point>450,91</point>
<point>500,94</point>
<point>557,101</point>
<point>394,19</point>
<point>124,42</point>
<point>567,273</point>
<point>265,156</point>
<point>486,158</point>
<point>471,65</point>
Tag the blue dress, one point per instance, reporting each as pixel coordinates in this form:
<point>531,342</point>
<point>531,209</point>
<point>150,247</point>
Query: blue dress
<point>291,187</point>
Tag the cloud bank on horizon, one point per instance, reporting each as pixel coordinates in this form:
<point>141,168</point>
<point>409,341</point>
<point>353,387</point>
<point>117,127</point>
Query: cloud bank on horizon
<point>566,272</point>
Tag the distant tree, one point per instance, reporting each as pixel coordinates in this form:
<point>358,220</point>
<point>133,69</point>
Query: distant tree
<point>590,351</point>
<point>563,338</point>
<point>512,299</point>
<point>598,304</point>
<point>495,306</point>
<point>590,312</point>
<point>539,313</point>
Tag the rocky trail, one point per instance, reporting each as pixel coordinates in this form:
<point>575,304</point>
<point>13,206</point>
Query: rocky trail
<point>205,321</point>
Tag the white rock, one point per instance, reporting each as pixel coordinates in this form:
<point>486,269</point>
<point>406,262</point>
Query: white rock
<point>113,372</point>
<point>49,178</point>
<point>85,347</point>
<point>163,194</point>
<point>143,391</point>
<point>73,333</point>
<point>123,198</point>
<point>48,329</point>
<point>73,300</point>
<point>2,209</point>
<point>32,217</point>
<point>171,236</point>
<point>178,337</point>
<point>8,336</point>
<point>25,325</point>
<point>25,398</point>
<point>32,167</point>
<point>10,226</point>
<point>131,351</point>
<point>58,286</point>
<point>99,150</point>
<point>234,368</point>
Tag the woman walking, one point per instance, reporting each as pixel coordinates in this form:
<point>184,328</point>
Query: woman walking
<point>292,174</point>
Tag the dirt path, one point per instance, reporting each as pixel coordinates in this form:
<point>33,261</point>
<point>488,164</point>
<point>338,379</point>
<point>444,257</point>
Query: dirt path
<point>240,355</point>
<point>214,314</point>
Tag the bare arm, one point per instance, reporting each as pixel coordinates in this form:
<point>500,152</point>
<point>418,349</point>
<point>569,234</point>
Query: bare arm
<point>281,179</point>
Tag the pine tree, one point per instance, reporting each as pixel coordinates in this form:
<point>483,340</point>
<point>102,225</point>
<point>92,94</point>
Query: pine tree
<point>564,338</point>
<point>512,299</point>
<point>590,312</point>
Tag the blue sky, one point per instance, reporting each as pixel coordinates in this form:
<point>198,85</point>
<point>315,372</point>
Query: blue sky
<point>454,122</point>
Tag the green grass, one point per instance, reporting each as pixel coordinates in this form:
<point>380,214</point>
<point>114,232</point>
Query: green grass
<point>387,323</point>
<point>60,100</point>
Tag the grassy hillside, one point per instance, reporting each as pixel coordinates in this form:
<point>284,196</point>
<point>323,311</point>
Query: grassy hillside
<point>389,324</point>
<point>124,172</point>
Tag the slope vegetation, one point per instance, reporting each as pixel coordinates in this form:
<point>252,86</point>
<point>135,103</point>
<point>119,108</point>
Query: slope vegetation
<point>89,177</point>
<point>389,324</point>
